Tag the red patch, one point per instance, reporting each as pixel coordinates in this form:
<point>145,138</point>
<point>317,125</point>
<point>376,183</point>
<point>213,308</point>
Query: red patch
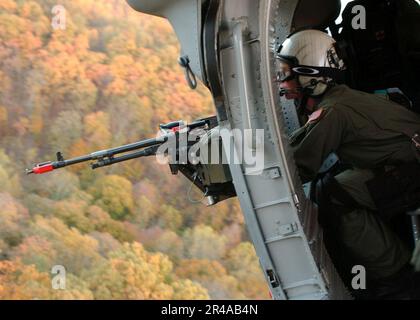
<point>316,116</point>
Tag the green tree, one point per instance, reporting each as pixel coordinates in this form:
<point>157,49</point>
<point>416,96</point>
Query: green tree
<point>24,282</point>
<point>189,290</point>
<point>169,218</point>
<point>97,129</point>
<point>19,281</point>
<point>75,251</point>
<point>65,130</point>
<point>167,242</point>
<point>58,186</point>
<point>73,214</point>
<point>242,263</point>
<point>107,242</point>
<point>145,211</point>
<point>133,273</point>
<point>10,180</point>
<point>114,194</point>
<point>213,276</point>
<point>12,219</point>
<point>102,222</point>
<point>202,242</point>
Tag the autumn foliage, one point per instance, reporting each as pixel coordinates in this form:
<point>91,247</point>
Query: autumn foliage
<point>123,232</point>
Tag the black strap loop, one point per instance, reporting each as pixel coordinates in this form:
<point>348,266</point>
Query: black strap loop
<point>184,62</point>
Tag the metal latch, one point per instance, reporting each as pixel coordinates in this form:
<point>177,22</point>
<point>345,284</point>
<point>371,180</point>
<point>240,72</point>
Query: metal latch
<point>272,173</point>
<point>272,278</point>
<point>287,229</point>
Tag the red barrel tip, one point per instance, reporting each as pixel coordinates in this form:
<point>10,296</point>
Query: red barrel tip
<point>40,169</point>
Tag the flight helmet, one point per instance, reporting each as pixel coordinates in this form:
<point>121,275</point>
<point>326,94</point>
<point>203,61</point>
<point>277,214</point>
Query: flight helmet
<point>310,57</point>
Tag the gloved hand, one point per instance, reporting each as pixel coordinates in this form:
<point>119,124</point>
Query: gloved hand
<point>415,261</point>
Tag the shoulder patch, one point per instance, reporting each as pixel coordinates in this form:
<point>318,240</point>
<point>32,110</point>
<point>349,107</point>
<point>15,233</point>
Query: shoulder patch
<point>316,116</point>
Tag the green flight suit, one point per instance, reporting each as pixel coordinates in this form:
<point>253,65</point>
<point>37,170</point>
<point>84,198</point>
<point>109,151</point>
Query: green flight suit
<point>416,258</point>
<point>367,132</point>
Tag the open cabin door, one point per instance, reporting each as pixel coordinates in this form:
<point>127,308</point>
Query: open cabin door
<point>232,52</point>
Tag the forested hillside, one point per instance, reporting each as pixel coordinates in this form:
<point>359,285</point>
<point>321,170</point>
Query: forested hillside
<point>128,231</point>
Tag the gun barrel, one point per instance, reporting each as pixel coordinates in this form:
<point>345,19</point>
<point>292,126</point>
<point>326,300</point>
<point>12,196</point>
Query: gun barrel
<point>106,157</point>
<point>77,160</point>
<point>145,143</point>
<point>139,154</point>
<point>128,147</point>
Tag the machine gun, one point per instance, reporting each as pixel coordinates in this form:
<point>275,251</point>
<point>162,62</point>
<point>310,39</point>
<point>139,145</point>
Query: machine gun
<point>214,180</point>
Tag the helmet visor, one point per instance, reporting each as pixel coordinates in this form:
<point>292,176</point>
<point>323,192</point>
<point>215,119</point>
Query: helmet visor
<point>285,72</point>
